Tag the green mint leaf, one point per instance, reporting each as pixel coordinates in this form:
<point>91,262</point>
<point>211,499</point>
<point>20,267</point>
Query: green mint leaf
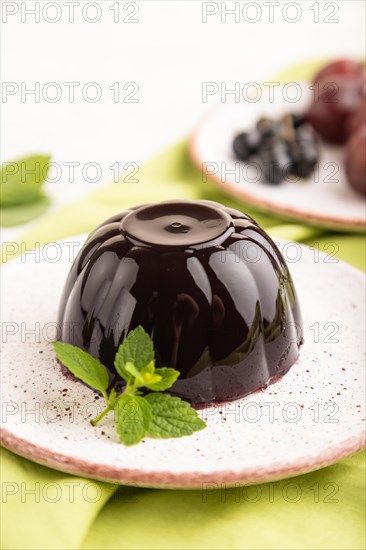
<point>137,348</point>
<point>133,418</point>
<point>16,215</point>
<point>149,379</point>
<point>131,369</point>
<point>21,180</point>
<point>167,379</point>
<point>19,195</point>
<point>172,417</point>
<point>83,366</point>
<point>150,368</point>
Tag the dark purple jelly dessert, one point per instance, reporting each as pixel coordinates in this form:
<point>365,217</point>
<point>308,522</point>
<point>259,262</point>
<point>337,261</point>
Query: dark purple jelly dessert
<point>204,280</point>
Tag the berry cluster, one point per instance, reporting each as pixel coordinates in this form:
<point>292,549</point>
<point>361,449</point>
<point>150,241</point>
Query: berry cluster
<point>281,147</point>
<point>337,114</point>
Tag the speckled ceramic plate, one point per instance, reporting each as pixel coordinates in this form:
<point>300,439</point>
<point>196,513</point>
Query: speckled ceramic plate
<point>324,199</point>
<point>313,417</point>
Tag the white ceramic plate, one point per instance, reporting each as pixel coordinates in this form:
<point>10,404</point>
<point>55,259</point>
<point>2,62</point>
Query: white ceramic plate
<point>313,417</point>
<point>324,199</point>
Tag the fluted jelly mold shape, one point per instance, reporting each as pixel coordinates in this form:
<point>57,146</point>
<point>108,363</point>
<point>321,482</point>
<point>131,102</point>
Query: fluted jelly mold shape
<point>204,280</point>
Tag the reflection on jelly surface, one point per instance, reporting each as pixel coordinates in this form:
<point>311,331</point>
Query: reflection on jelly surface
<point>204,280</point>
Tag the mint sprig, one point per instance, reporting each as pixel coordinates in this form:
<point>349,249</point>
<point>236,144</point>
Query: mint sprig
<point>156,414</point>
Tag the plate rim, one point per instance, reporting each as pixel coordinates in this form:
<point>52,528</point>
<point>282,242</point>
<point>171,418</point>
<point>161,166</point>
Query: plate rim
<point>171,480</point>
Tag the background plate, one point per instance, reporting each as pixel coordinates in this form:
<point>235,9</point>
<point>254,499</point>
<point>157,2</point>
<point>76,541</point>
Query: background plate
<point>324,199</point>
<point>313,417</point>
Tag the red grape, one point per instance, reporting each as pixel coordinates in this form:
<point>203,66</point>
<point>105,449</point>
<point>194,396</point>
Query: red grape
<point>357,119</point>
<point>341,67</point>
<point>334,101</point>
<point>356,160</point>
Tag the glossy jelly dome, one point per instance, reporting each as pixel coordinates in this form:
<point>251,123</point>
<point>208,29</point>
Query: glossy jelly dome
<point>204,280</point>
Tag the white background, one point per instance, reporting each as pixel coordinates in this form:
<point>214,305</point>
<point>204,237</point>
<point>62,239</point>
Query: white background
<point>169,53</point>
